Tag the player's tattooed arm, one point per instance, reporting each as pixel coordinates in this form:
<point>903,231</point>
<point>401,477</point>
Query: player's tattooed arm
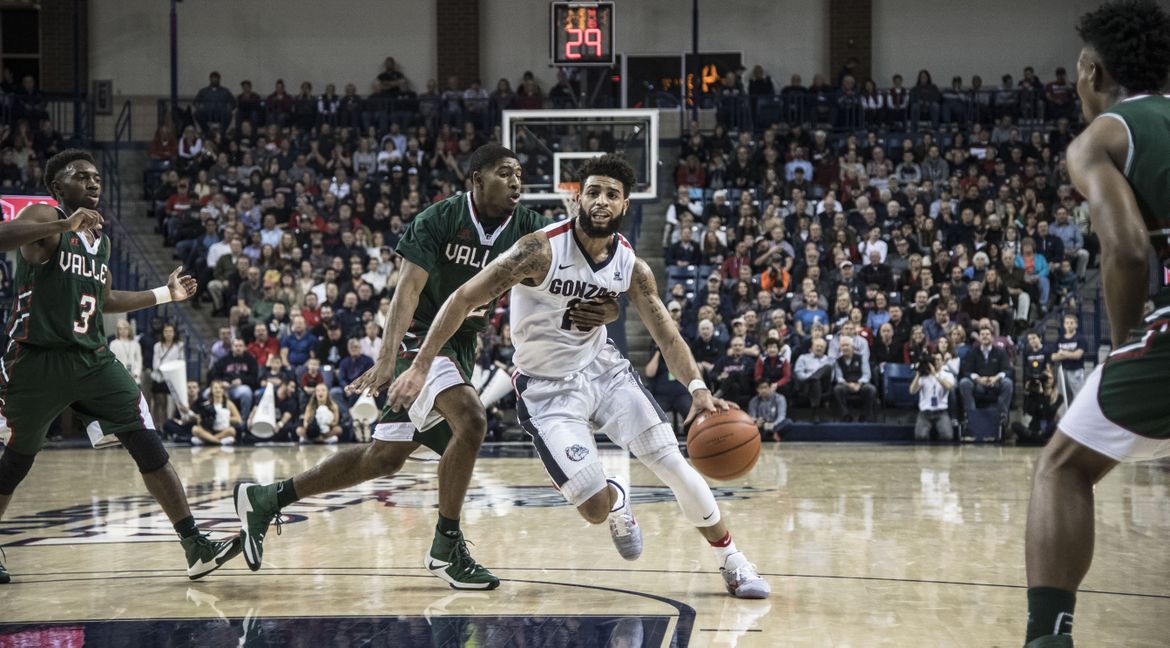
<point>643,295</point>
<point>527,261</point>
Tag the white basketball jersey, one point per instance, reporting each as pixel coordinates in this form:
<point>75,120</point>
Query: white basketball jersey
<point>547,343</point>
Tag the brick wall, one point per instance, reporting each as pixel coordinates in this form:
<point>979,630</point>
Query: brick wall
<point>457,24</point>
<point>851,36</point>
<point>58,45</point>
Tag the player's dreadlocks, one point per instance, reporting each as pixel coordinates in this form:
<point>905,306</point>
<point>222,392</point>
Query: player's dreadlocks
<point>1133,39</point>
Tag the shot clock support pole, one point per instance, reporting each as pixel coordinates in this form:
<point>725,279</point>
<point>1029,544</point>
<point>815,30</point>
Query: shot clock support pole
<point>698,67</point>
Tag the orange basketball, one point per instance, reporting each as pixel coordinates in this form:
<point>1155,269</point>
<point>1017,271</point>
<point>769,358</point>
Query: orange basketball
<point>724,445</point>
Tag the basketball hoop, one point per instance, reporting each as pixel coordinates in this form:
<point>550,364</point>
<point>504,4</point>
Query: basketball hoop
<point>568,191</point>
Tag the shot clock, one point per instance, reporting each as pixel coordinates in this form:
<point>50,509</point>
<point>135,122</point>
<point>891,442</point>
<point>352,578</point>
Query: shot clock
<point>582,33</point>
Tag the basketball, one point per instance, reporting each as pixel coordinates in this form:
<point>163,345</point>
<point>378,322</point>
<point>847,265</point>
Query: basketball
<point>724,445</point>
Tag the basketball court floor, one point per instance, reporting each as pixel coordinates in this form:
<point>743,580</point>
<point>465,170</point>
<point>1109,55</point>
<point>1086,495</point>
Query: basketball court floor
<point>864,545</point>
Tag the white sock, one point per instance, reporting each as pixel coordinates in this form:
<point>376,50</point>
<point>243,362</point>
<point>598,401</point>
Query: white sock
<point>724,549</point>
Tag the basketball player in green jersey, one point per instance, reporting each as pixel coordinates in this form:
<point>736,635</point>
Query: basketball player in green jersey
<point>57,356</point>
<point>1121,164</point>
<point>443,247</point>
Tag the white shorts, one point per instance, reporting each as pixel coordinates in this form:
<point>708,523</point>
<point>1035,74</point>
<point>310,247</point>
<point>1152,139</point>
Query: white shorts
<point>562,415</point>
<point>1086,424</point>
<point>444,375</point>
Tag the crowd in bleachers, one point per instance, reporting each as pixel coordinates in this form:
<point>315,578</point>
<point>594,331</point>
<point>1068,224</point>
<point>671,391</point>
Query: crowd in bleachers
<point>287,210</point>
<point>823,245</point>
<point>829,263</point>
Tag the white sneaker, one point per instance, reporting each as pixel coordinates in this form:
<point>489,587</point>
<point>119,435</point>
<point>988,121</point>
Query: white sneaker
<point>330,440</point>
<point>196,441</point>
<point>227,441</point>
<point>742,579</point>
<point>623,527</point>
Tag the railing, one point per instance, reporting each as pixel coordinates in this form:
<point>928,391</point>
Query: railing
<point>831,108</point>
<point>71,116</point>
<point>129,262</point>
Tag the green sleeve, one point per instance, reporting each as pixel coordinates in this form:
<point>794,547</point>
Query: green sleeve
<point>533,221</point>
<point>424,237</point>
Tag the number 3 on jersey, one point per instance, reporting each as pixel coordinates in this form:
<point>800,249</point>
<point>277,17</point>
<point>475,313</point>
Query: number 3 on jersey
<point>88,306</point>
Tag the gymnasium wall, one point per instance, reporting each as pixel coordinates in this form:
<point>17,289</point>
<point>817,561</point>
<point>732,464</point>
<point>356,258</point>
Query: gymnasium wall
<point>261,40</point>
<point>346,41</point>
<point>989,38</point>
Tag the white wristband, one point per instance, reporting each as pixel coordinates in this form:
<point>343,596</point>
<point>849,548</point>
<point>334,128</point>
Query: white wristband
<point>162,295</point>
<point>695,385</point>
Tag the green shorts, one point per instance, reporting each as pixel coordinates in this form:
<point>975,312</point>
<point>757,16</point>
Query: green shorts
<point>1122,410</point>
<point>422,423</point>
<point>37,384</point>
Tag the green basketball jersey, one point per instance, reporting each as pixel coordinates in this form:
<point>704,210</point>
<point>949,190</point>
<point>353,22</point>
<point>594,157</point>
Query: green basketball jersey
<point>59,303</point>
<point>1147,168</point>
<point>448,240</point>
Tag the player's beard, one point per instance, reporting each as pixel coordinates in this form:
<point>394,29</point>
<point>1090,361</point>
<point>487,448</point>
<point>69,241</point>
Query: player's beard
<point>593,231</point>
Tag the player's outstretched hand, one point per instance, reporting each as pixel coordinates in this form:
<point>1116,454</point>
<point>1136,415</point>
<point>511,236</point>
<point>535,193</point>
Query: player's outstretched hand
<point>373,381</point>
<point>406,388</point>
<point>588,315</point>
<point>704,401</point>
<point>84,220</point>
<point>181,286</point>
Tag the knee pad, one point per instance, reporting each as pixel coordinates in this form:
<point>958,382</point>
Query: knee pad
<point>146,448</point>
<point>690,490</point>
<point>584,484</point>
<point>14,467</point>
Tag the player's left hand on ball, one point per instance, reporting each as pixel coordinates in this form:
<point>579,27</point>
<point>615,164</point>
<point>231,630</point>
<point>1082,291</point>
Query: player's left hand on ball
<point>588,315</point>
<point>181,287</point>
<point>406,389</point>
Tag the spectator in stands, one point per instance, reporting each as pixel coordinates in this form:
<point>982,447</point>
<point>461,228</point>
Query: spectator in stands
<point>262,346</point>
<point>938,326</point>
<point>975,307</point>
<point>1020,290</point>
<point>671,395</point>
<point>1059,96</point>
<point>1041,398</point>
<point>163,147</point>
<point>240,373</point>
<point>127,349</point>
<point>219,420</point>
<point>1035,268</point>
<point>371,344</point>
<point>288,407</point>
<point>933,383</point>
<point>168,349</point>
<point>684,253</point>
<point>986,371</point>
<point>706,347</point>
<point>1070,353</point>
<point>733,374</point>
<point>877,274</point>
<point>178,427</point>
<point>214,103</point>
<point>249,106</point>
<point>774,365</point>
<point>770,411</point>
<point>814,374</point>
<point>886,349</point>
<point>852,378</point>
<point>1072,240</point>
<point>321,422</point>
<point>916,347</point>
<point>298,345</point>
<point>809,314</point>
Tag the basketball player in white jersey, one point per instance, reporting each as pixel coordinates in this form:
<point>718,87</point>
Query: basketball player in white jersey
<point>571,382</point>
